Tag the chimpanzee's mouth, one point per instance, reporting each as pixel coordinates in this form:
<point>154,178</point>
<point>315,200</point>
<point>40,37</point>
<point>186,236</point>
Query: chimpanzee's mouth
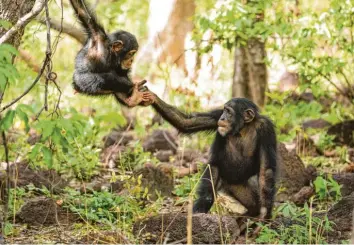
<point>125,67</point>
<point>222,130</point>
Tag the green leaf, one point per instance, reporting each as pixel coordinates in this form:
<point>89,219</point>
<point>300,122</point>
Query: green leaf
<point>47,129</point>
<point>34,153</point>
<point>23,116</point>
<point>25,108</point>
<point>3,81</point>
<point>8,48</point>
<point>7,121</point>
<point>65,144</point>
<point>47,156</point>
<point>113,117</point>
<point>56,136</point>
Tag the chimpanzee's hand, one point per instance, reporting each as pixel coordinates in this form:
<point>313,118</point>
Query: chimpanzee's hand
<point>150,99</point>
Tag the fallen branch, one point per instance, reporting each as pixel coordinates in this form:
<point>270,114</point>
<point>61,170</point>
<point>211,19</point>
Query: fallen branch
<point>23,21</point>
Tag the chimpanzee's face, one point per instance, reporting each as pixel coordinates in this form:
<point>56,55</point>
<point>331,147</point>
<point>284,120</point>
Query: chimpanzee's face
<point>225,123</point>
<point>123,49</point>
<point>235,115</point>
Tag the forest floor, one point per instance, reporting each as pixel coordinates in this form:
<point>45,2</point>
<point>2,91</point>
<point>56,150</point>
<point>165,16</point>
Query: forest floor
<point>140,193</point>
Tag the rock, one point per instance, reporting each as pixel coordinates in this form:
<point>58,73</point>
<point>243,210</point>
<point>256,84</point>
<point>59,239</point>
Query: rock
<point>316,123</point>
<point>288,81</point>
<point>349,168</point>
<point>230,204</point>
<point>342,215</point>
<point>44,211</point>
<point>104,237</point>
<point>88,111</point>
<point>156,180</point>
<point>164,156</point>
<point>171,228</point>
<point>22,175</point>
<point>111,155</point>
<point>33,137</point>
<point>308,97</point>
<point>118,137</point>
<point>347,182</point>
<point>160,140</point>
<point>117,186</point>
<point>351,154</point>
<point>179,171</point>
<point>343,133</point>
<point>157,119</point>
<point>303,195</point>
<point>102,184</point>
<point>292,174</point>
<point>305,146</point>
<point>189,155</point>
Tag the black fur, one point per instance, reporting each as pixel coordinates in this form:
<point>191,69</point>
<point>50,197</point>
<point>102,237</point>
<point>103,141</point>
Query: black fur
<point>98,69</point>
<point>243,162</point>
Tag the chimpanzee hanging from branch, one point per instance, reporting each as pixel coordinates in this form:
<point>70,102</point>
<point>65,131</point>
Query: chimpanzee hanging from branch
<point>102,66</point>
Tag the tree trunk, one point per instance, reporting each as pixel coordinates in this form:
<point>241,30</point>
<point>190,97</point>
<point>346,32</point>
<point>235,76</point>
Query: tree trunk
<point>250,72</point>
<point>167,44</point>
<point>11,11</point>
<point>240,77</point>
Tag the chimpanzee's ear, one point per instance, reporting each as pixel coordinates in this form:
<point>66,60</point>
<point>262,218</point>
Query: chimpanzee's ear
<point>248,115</point>
<point>117,45</point>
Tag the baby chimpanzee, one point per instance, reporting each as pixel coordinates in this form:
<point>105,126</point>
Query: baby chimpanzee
<point>103,64</point>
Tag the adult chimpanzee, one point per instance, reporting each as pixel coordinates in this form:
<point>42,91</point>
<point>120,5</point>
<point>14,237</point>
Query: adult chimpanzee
<point>242,157</point>
<point>102,66</point>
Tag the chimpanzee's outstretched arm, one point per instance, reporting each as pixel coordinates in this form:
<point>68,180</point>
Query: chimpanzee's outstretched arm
<point>187,123</point>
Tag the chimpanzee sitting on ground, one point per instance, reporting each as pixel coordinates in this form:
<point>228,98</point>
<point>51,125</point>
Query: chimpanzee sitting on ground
<point>242,157</point>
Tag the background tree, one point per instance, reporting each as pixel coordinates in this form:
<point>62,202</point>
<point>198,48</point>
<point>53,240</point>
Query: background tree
<point>168,32</point>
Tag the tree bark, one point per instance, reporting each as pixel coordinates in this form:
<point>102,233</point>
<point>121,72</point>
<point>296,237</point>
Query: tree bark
<point>250,72</point>
<point>11,11</point>
<point>240,77</point>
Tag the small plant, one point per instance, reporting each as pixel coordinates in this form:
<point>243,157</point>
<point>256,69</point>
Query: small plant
<point>134,157</point>
<point>186,185</point>
<point>300,226</point>
<point>106,208</point>
<point>325,141</point>
<point>327,189</point>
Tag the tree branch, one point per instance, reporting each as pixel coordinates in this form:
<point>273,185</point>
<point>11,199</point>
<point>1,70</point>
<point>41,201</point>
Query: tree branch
<point>23,21</point>
<point>66,28</point>
<point>46,60</point>
<point>26,57</point>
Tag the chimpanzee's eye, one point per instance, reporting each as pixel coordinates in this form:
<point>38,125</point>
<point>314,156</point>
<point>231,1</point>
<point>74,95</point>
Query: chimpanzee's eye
<point>228,112</point>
